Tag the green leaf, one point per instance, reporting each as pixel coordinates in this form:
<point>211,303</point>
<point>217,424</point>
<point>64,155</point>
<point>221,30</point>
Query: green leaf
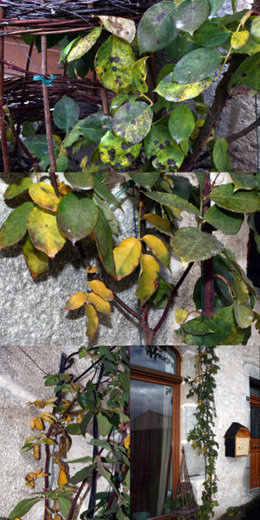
<point>108,214</point>
<point>169,159</point>
<point>156,28</point>
<point>220,326</point>
<point>121,27</point>
<point>28,129</point>
<point>220,154</point>
<point>210,34</point>
<point>132,121</point>
<point>197,65</point>
<point>214,6</point>
<point>83,180</point>
<point>37,145</point>
<point>243,314</point>
<point>37,261</point>
<point>104,425</point>
<point>117,152</point>
<point>190,15</point>
<point>73,429</point>
<point>76,216</point>
<point>64,505</point>
<point>17,188</point>
<point>83,45</point>
<point>255,29</point>
<point>145,179</point>
<point>192,245</point>
<point>181,123</point>
<point>172,201</point>
<point>103,192</point>
<point>244,181</point>
<point>103,237</point>
<point>248,74</point>
<point>95,126</point>
<point>172,91</point>
<point>44,232</point>
<point>198,326</point>
<point>120,99</point>
<point>82,474</point>
<point>224,220</point>
<point>23,507</point>
<point>14,228</point>
<point>238,271</point>
<point>241,201</point>
<point>66,113</point>
<point>114,64</point>
<point>158,138</point>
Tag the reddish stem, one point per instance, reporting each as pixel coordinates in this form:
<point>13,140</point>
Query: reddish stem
<point>2,115</point>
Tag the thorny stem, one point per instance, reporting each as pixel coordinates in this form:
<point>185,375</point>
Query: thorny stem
<point>2,115</point>
<point>47,116</point>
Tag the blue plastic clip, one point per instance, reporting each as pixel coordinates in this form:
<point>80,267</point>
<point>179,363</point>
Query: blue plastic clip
<point>46,81</point>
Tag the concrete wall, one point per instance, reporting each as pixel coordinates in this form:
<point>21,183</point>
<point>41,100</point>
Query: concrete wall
<point>237,364</point>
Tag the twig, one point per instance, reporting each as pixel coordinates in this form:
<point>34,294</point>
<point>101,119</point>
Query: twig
<point>125,306</point>
<point>103,94</point>
<point>245,131</point>
<point>47,115</point>
<point>2,121</point>
<point>171,297</point>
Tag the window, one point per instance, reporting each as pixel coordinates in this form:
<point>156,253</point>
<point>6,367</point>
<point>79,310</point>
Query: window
<point>155,442</point>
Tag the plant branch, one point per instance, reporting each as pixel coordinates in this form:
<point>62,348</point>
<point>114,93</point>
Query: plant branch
<point>245,131</point>
<point>2,115</point>
<point>171,297</point>
<point>125,306</point>
<point>47,116</point>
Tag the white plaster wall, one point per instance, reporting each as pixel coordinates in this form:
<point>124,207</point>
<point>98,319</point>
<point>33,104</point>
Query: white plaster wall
<point>237,364</point>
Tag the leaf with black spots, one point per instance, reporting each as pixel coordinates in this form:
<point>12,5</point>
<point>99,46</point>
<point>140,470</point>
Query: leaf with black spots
<point>118,152</point>
<point>156,28</point>
<point>158,138</point>
<point>169,159</point>
<point>114,63</point>
<point>172,91</point>
<point>133,121</point>
<point>121,27</point>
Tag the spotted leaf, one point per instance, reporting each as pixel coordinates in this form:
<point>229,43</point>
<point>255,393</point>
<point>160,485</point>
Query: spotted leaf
<point>172,91</point>
<point>133,121</point>
<point>82,46</point>
<point>114,64</point>
<point>192,245</point>
<point>169,159</point>
<point>121,27</point>
<point>117,152</point>
<point>156,28</point>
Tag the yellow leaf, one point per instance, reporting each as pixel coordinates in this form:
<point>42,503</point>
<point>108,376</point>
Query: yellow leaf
<point>37,424</point>
<point>92,318</point>
<point>239,39</point>
<point>101,289</point>
<point>44,195</point>
<point>127,256</point>
<point>44,232</point>
<point>62,478</point>
<point>159,222</point>
<point>121,27</point>
<point>100,304</point>
<point>93,270</point>
<point>84,44</point>
<point>64,188</point>
<point>148,278</point>
<point>37,261</point>
<point>37,452</point>
<point>158,248</point>
<point>76,301</point>
<point>49,417</point>
<point>41,403</point>
<point>181,315</point>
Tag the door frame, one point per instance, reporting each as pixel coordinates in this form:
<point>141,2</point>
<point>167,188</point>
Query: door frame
<point>150,375</point>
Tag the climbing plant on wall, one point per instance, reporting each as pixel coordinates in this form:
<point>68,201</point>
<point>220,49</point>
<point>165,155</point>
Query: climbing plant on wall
<point>153,126</point>
<point>95,405</point>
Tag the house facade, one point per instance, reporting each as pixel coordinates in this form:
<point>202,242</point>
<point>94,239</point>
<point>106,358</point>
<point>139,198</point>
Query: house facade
<point>162,416</point>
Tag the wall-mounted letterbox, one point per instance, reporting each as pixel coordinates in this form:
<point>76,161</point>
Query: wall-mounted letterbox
<point>237,441</point>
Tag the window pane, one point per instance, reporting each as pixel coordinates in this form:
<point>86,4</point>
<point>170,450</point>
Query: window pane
<point>158,358</point>
<point>151,447</point>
